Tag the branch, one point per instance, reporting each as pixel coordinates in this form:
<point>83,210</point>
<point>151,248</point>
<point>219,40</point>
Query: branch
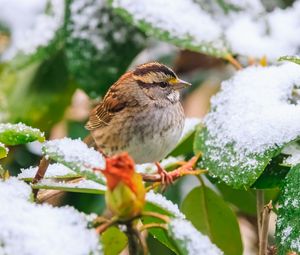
<point>186,169</point>
<point>260,201</point>
<point>135,244</point>
<point>153,225</point>
<point>263,242</point>
<point>43,166</point>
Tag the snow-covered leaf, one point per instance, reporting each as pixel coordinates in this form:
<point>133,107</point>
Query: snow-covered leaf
<point>77,156</point>
<point>55,171</point>
<point>174,21</point>
<point>295,59</point>
<point>213,217</point>
<point>14,134</point>
<point>288,221</point>
<point>99,46</point>
<point>189,241</point>
<point>35,29</point>
<point>80,186</point>
<point>246,129</point>
<point>3,151</point>
<point>27,228</point>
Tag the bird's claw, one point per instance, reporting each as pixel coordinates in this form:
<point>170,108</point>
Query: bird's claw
<point>166,178</point>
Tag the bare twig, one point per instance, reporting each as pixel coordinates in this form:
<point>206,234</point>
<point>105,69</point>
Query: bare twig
<point>263,242</point>
<point>163,217</point>
<point>260,202</point>
<point>233,61</point>
<point>106,225</point>
<point>153,225</point>
<point>43,166</point>
<point>135,244</point>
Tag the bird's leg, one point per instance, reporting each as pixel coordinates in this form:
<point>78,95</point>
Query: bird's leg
<point>102,152</point>
<point>166,178</point>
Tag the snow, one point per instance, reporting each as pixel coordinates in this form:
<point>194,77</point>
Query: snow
<point>253,111</point>
<point>271,35</point>
<point>74,152</point>
<point>190,239</point>
<point>28,228</point>
<point>151,168</point>
<point>2,146</point>
<point>163,14</point>
<point>29,25</point>
<point>293,150</point>
<point>19,127</point>
<point>161,201</point>
<point>53,171</point>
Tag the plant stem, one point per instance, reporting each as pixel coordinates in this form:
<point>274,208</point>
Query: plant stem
<point>157,215</point>
<point>43,166</point>
<point>263,242</point>
<point>260,202</point>
<point>153,225</point>
<point>135,245</point>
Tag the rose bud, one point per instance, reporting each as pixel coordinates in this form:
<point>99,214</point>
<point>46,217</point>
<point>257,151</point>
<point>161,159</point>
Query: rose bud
<point>125,195</point>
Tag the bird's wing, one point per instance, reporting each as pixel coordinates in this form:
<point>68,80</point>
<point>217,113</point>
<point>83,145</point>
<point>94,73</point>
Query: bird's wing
<point>102,114</point>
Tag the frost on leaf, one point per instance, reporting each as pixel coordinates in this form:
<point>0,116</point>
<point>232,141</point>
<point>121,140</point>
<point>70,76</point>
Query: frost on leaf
<point>288,221</point>
<point>100,46</point>
<point>160,18</point>
<point>3,150</point>
<point>31,28</point>
<point>14,134</point>
<point>246,128</point>
<point>190,241</point>
<point>77,156</point>
<point>27,228</point>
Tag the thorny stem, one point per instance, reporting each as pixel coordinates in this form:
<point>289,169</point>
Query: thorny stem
<point>43,166</point>
<point>153,225</point>
<point>260,202</point>
<point>157,215</point>
<point>233,61</point>
<point>263,242</point>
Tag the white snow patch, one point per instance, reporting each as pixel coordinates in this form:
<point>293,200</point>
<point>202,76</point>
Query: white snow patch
<point>164,203</point>
<point>28,228</point>
<point>192,240</point>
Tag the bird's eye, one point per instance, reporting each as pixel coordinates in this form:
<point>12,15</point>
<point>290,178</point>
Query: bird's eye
<point>163,84</point>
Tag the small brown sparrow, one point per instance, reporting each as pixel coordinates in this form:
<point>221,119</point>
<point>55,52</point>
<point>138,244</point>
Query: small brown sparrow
<point>140,114</point>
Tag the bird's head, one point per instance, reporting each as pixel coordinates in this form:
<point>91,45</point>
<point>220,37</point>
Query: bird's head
<point>159,81</point>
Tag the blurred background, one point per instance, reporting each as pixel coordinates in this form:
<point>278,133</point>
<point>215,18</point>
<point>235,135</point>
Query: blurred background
<point>57,58</point>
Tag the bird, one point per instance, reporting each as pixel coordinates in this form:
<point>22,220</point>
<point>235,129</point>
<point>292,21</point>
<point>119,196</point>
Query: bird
<point>141,114</point>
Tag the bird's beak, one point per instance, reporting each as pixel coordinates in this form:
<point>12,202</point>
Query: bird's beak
<point>179,84</point>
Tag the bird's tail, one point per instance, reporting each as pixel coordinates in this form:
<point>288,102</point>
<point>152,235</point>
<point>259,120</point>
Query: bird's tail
<point>89,141</point>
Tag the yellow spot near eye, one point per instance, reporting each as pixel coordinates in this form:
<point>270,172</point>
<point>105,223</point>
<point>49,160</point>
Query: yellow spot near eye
<point>173,81</point>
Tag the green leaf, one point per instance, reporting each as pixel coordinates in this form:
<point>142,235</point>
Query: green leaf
<point>294,59</point>
<point>188,240</point>
<point>113,241</point>
<point>152,23</point>
<point>38,94</point>
<point>14,134</point>
<point>212,217</point>
<point>3,151</point>
<point>227,166</point>
<point>158,233</point>
<point>75,155</point>
<point>288,221</point>
<point>99,52</point>
<point>273,175</point>
<point>84,186</point>
<point>243,200</point>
